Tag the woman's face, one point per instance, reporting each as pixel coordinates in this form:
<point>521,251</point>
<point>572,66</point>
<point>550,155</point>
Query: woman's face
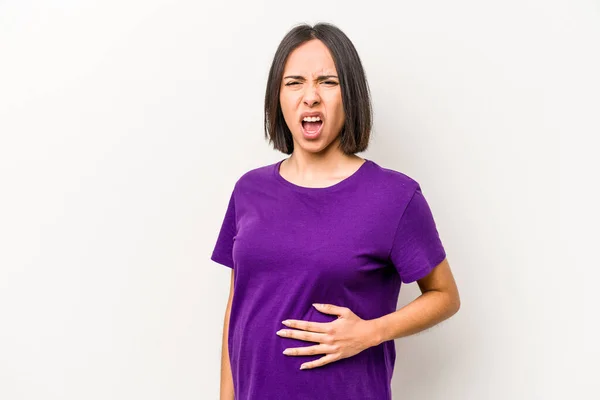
<point>311,98</point>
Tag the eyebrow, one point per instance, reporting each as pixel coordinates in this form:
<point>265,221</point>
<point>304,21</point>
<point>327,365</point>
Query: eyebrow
<point>319,78</point>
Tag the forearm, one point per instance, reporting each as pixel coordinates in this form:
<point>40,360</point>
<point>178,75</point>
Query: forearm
<point>427,310</point>
<point>226,391</point>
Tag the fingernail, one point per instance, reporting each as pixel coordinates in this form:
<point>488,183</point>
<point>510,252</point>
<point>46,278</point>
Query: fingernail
<point>316,305</point>
<point>302,366</point>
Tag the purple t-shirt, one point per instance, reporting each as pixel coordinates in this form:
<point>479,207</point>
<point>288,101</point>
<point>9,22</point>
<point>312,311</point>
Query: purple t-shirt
<point>350,244</point>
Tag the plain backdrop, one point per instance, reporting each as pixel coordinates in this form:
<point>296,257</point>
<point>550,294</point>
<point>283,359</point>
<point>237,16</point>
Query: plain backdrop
<point>125,124</point>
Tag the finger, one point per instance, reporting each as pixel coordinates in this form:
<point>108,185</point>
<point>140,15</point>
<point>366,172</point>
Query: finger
<point>308,350</point>
<point>332,309</point>
<point>321,361</point>
<point>307,325</point>
<point>302,335</point>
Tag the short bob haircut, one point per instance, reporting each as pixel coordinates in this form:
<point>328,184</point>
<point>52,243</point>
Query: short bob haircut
<point>356,97</point>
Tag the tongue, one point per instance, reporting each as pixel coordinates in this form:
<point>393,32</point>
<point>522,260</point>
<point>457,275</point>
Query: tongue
<point>311,127</point>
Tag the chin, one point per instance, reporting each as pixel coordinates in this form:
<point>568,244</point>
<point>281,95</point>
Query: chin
<point>315,145</point>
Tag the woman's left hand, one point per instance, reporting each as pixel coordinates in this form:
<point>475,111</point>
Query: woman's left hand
<point>346,336</point>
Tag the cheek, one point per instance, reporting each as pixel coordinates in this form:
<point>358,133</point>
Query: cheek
<point>340,110</point>
<point>283,102</point>
<point>287,108</point>
<point>336,109</point>
<point>287,101</point>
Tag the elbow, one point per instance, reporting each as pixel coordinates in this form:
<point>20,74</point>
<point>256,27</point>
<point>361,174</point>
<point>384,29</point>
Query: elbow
<point>455,303</point>
<point>456,308</point>
<point>451,302</point>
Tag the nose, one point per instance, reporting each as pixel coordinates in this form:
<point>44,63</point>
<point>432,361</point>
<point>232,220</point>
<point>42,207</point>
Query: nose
<point>311,96</point>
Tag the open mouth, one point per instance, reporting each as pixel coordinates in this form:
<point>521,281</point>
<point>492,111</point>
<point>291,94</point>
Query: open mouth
<point>312,126</point>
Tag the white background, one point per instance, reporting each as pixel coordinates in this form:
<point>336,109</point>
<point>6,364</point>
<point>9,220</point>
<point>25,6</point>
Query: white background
<point>124,125</point>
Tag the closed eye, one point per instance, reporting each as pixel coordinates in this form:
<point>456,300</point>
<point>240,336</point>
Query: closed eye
<point>329,83</point>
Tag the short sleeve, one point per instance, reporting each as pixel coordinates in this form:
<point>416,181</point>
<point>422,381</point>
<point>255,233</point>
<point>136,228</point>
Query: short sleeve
<point>416,248</point>
<point>223,250</point>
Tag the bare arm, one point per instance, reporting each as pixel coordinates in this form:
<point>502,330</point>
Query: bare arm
<point>227,392</point>
<point>439,301</point>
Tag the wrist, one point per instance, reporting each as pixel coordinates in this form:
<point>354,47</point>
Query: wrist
<point>376,335</point>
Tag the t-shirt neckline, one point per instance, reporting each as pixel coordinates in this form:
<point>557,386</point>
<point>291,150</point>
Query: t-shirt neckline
<point>336,186</point>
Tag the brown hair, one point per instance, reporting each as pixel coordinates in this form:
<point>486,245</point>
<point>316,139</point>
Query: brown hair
<point>356,97</point>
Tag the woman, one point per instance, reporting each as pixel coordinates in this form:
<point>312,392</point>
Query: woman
<point>320,242</point>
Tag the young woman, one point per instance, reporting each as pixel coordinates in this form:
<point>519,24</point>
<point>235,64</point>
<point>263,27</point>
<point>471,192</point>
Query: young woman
<point>320,242</point>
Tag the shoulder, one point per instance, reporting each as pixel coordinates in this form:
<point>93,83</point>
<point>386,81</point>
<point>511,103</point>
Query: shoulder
<point>399,183</point>
<point>255,176</point>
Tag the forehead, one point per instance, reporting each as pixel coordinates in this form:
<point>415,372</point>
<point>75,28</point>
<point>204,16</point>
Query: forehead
<point>310,58</point>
